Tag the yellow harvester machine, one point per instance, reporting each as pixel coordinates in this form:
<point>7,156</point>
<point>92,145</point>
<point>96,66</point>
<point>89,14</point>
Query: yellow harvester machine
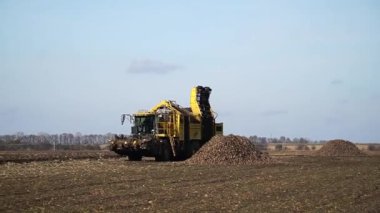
<point>169,131</point>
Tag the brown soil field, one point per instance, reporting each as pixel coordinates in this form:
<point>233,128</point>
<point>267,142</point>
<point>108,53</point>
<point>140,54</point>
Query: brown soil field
<point>292,184</point>
<point>311,153</point>
<point>59,155</point>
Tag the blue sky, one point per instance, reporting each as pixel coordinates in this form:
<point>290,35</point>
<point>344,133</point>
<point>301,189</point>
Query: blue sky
<point>293,68</point>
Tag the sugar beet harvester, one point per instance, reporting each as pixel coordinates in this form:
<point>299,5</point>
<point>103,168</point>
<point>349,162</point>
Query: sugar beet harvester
<point>169,131</point>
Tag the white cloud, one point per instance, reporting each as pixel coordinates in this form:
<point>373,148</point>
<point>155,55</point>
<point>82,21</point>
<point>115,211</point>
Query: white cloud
<point>150,66</point>
<point>336,82</point>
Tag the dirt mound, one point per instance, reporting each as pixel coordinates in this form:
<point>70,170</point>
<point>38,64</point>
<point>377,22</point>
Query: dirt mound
<point>339,148</point>
<point>229,150</point>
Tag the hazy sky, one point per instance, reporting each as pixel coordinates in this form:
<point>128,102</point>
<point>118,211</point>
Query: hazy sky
<point>293,68</point>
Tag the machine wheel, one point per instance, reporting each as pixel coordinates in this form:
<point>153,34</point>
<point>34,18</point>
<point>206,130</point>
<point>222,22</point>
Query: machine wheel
<point>191,148</point>
<point>134,157</point>
<point>195,147</point>
<point>165,152</point>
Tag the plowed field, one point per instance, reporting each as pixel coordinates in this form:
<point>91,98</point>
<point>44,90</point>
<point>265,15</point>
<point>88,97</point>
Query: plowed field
<point>59,155</point>
<point>293,183</point>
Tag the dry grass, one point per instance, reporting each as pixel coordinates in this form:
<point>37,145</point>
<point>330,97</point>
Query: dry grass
<point>298,183</point>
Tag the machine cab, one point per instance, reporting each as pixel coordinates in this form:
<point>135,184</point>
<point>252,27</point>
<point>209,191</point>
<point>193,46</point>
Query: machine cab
<point>142,123</point>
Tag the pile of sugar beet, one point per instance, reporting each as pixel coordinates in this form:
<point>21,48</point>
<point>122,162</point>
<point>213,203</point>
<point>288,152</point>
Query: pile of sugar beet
<point>339,147</point>
<point>239,150</point>
<point>229,150</point>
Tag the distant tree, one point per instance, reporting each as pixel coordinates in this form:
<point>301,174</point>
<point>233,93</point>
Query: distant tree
<point>303,140</point>
<point>253,139</point>
<point>78,138</point>
<point>19,134</point>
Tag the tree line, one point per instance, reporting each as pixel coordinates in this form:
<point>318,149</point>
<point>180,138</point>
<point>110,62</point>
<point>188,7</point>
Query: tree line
<point>64,138</point>
<point>45,141</point>
<point>264,140</point>
<point>98,139</point>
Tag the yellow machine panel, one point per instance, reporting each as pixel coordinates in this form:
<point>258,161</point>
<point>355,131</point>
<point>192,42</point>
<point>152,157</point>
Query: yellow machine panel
<point>195,132</point>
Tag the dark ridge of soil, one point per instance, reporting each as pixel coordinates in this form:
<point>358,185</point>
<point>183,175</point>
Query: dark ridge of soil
<point>229,150</point>
<point>59,155</point>
<point>339,148</point>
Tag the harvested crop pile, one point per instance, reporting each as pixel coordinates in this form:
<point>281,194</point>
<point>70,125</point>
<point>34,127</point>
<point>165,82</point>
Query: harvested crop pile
<point>339,148</point>
<point>229,150</point>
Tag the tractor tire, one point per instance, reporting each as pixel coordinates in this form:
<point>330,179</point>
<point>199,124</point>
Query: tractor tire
<point>134,157</point>
<point>195,147</point>
<point>165,152</point>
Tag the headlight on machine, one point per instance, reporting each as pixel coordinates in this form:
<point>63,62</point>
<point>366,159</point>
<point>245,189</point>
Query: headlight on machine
<point>136,144</point>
